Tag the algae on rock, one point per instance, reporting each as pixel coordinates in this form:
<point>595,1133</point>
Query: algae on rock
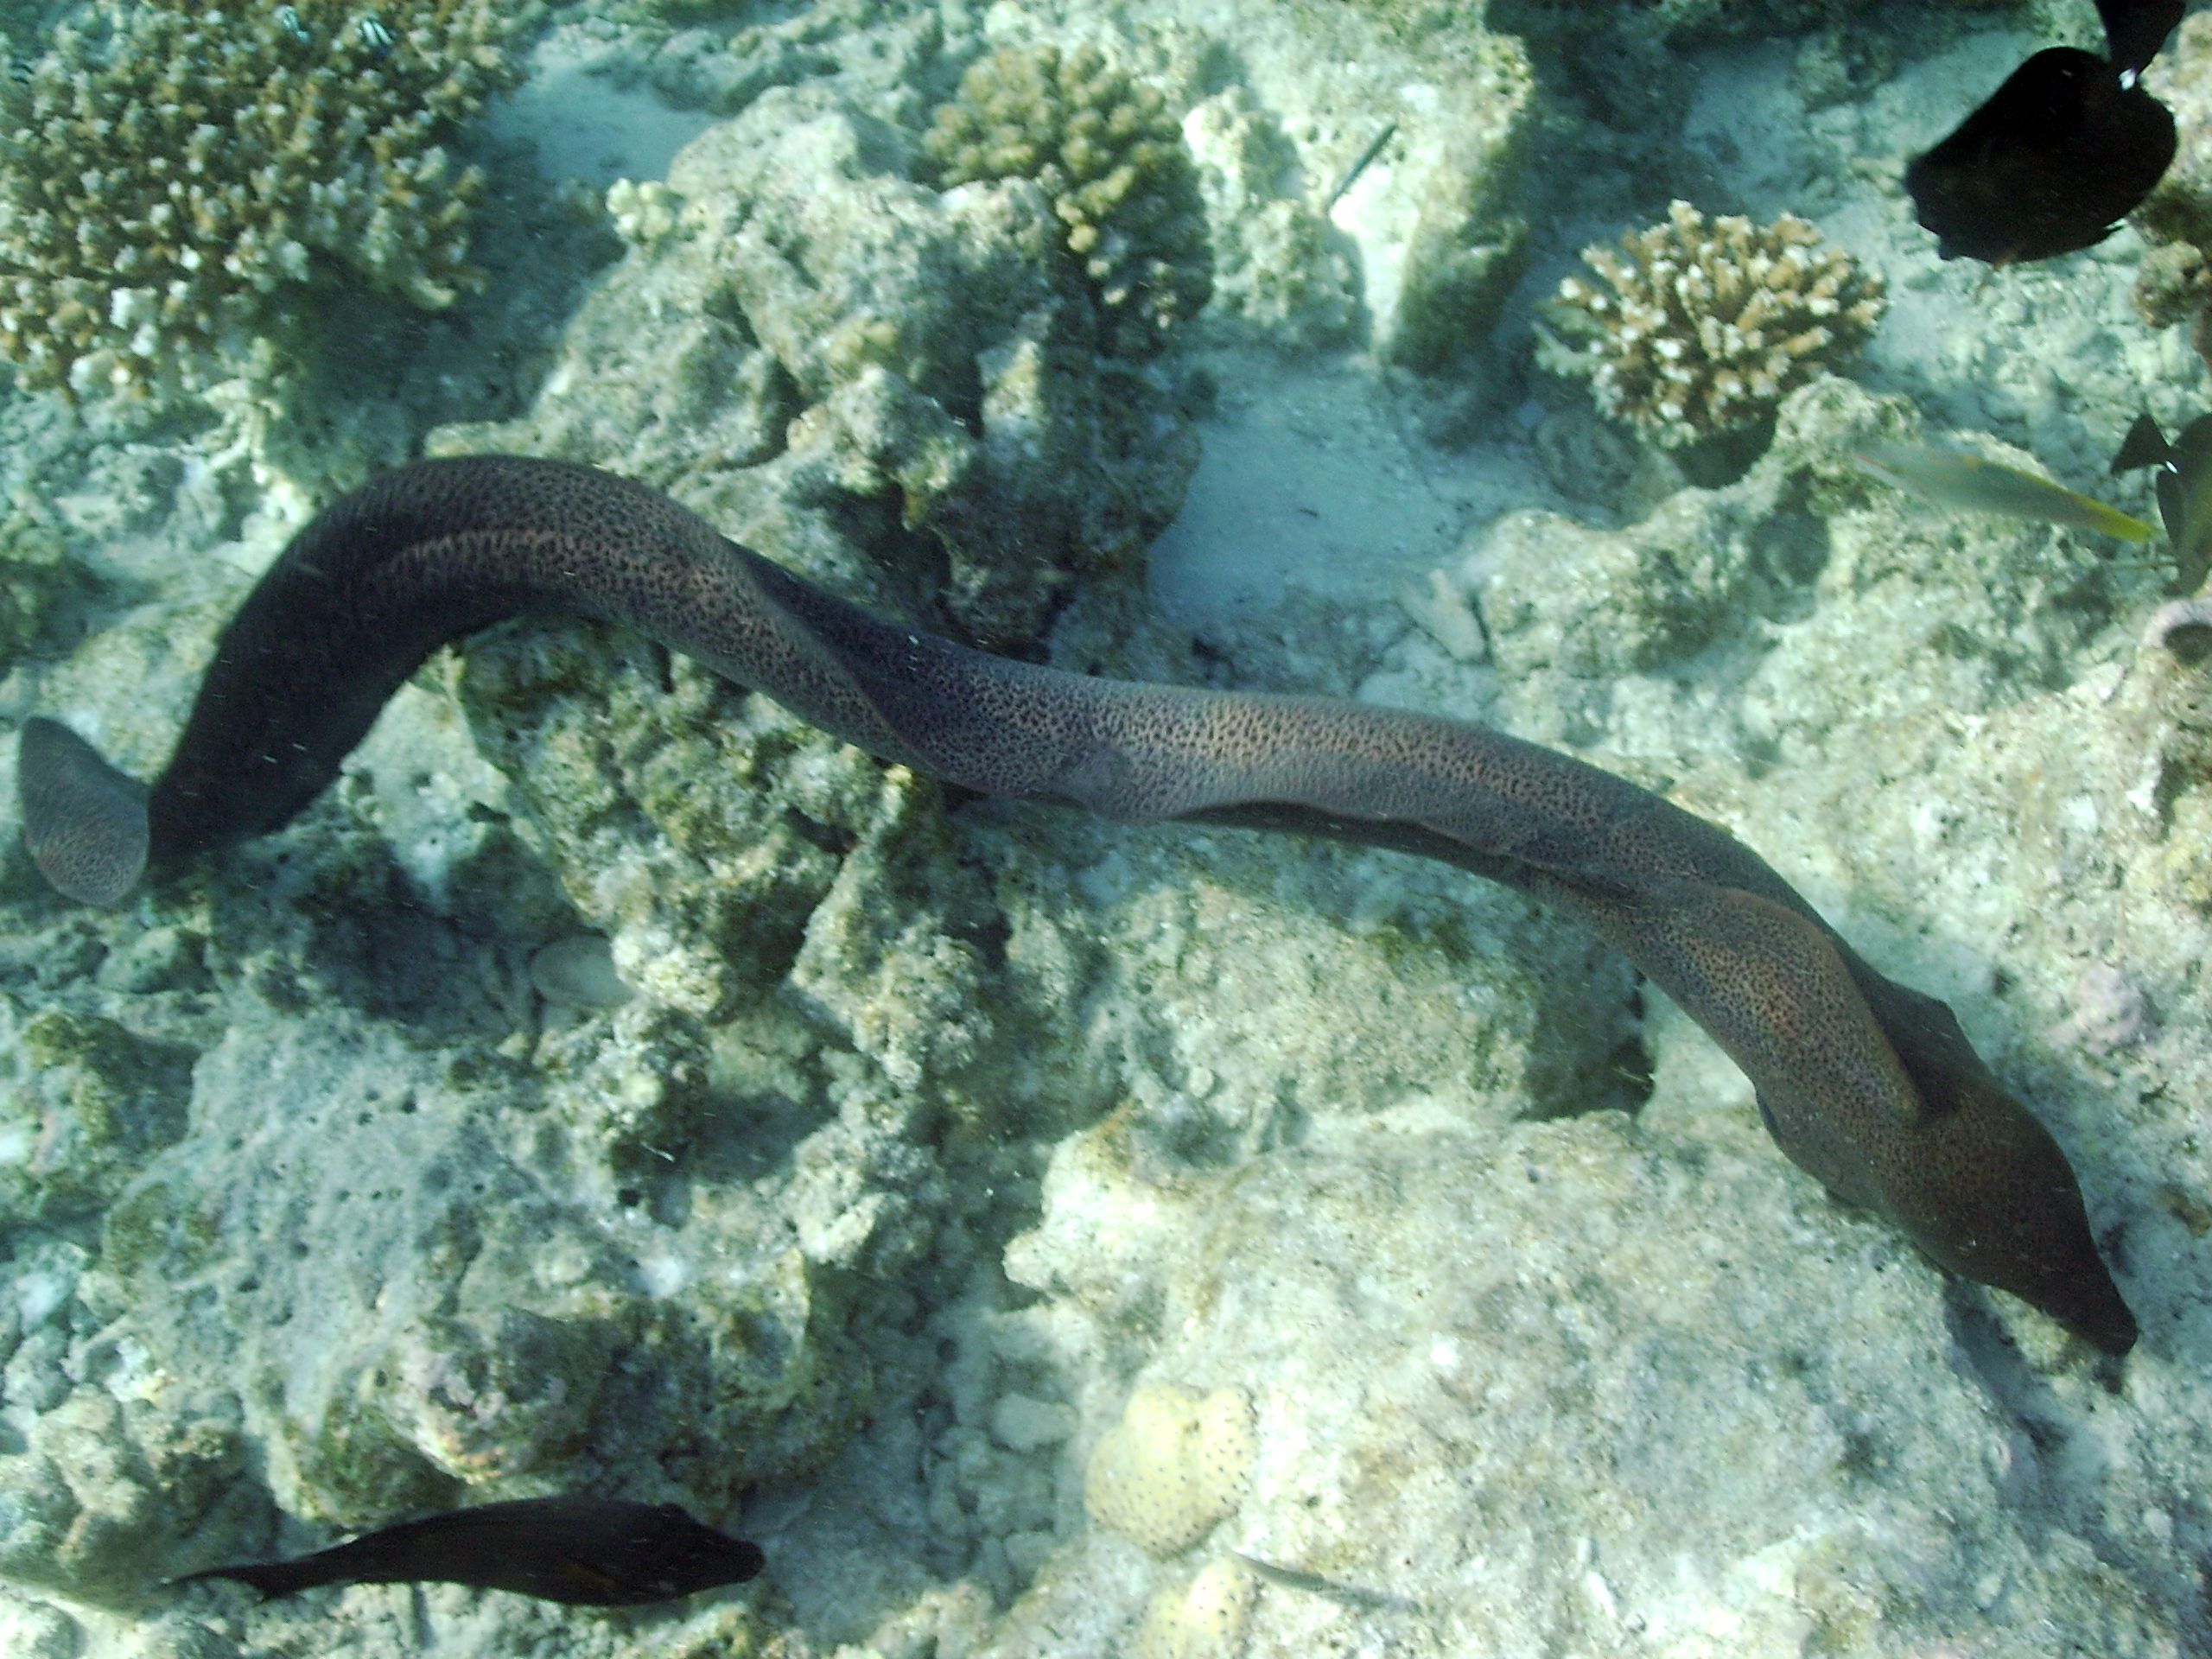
<point>1468,236</point>
<point>1281,274</point>
<point>39,580</point>
<point>83,1104</point>
<point>1753,583</point>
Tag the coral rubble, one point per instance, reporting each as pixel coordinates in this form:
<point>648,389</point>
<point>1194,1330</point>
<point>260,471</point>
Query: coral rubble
<point>1698,326</point>
<point>171,174</point>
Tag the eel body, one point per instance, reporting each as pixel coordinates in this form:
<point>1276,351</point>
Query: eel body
<point>1869,1085</point>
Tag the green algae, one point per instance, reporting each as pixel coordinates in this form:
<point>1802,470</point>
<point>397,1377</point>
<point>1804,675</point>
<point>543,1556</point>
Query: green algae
<point>89,1103</point>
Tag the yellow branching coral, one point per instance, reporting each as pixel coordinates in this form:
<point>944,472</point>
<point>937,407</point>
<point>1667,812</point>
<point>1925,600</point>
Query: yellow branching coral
<point>1699,326</point>
<point>1111,157</point>
<point>170,168</point>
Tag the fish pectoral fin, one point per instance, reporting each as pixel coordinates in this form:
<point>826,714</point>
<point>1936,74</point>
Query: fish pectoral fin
<point>594,1582</point>
<point>268,1580</point>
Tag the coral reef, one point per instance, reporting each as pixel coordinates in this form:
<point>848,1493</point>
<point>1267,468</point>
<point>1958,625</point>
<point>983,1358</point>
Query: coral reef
<point>2174,285</point>
<point>1280,275</point>
<point>39,583</point>
<point>1107,151</point>
<point>84,1102</point>
<point>898,390</point>
<point>1585,623</point>
<point>1324,1122</point>
<point>1468,238</point>
<point>643,213</point>
<point>1699,326</point>
<point>1545,1322</point>
<point>175,174</point>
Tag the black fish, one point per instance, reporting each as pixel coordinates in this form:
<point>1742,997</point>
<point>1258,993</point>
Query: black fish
<point>2135,29</point>
<point>2184,486</point>
<point>2067,148</point>
<point>595,1552</point>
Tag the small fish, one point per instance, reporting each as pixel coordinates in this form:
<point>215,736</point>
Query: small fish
<point>2067,148</point>
<point>1968,483</point>
<point>1313,1583</point>
<point>1360,164</point>
<point>22,71</point>
<point>594,1552</point>
<point>288,20</point>
<point>2185,487</point>
<point>376,34</point>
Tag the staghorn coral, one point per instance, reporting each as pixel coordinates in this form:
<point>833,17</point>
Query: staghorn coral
<point>1112,159</point>
<point>174,170</point>
<point>1706,323</point>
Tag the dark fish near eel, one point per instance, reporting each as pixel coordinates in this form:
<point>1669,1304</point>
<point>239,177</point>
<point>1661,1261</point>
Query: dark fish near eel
<point>1871,1086</point>
<point>2136,30</point>
<point>2068,147</point>
<point>2184,490</point>
<point>591,1552</point>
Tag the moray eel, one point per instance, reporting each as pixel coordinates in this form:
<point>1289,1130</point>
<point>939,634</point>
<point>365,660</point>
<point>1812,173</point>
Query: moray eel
<point>1868,1085</point>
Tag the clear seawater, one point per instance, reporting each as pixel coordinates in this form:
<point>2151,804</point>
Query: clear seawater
<point>1046,1235</point>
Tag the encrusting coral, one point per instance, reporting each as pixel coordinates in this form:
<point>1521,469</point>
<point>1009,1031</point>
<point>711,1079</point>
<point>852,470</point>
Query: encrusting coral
<point>1705,324</point>
<point>1112,159</point>
<point>1205,1619</point>
<point>167,172</point>
<point>1175,1465</point>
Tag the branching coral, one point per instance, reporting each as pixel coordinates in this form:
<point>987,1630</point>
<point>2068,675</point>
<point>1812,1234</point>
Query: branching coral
<point>1106,150</point>
<point>1705,324</point>
<point>174,169</point>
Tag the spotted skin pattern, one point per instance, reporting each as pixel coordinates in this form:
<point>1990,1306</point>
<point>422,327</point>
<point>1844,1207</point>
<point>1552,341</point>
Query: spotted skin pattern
<point>1869,1085</point>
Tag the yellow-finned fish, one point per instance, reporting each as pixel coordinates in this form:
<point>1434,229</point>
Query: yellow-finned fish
<point>1968,483</point>
<point>2184,486</point>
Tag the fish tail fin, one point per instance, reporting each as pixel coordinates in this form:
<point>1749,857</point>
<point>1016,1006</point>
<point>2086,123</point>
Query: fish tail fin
<point>85,821</point>
<point>2144,445</point>
<point>2111,521</point>
<point>271,1578</point>
<point>1881,461</point>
